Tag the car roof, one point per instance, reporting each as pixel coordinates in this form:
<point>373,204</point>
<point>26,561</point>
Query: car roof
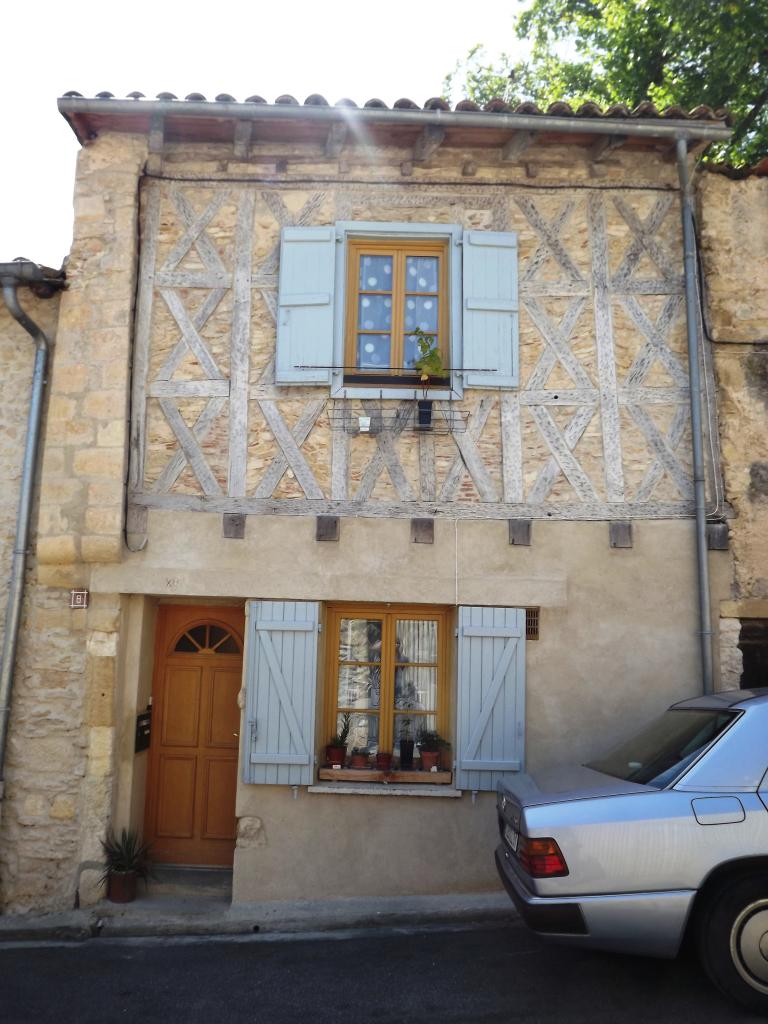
<point>725,699</point>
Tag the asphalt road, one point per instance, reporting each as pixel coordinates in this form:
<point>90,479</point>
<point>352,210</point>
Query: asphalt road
<point>393,976</point>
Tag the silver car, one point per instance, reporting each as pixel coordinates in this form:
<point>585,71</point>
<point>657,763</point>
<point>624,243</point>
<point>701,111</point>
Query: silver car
<point>665,836</point>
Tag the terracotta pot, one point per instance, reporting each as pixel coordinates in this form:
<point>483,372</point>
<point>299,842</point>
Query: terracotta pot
<point>335,755</point>
<point>121,887</point>
<point>446,758</point>
<point>358,761</point>
<point>429,759</point>
<point>384,762</point>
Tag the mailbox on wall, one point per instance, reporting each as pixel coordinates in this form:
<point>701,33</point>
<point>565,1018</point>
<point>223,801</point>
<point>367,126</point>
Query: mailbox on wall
<point>143,730</point>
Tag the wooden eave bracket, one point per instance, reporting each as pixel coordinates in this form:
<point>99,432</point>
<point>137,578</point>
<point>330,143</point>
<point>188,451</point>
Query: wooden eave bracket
<point>156,143</point>
<point>337,137</point>
<point>605,145</point>
<point>430,139</point>
<point>242,138</point>
<point>517,145</point>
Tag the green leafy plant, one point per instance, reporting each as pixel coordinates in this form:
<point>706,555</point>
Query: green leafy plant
<point>340,738</point>
<point>124,854</point>
<point>430,740</point>
<point>429,361</point>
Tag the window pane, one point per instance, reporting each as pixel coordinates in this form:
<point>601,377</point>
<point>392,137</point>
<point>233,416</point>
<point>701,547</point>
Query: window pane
<point>363,733</point>
<point>373,351</point>
<point>229,646</point>
<point>374,312</point>
<point>409,726</point>
<point>421,313</point>
<point>186,646</point>
<point>359,686</point>
<point>421,273</point>
<point>416,641</point>
<point>200,635</point>
<point>375,274</point>
<point>416,688</point>
<point>360,640</point>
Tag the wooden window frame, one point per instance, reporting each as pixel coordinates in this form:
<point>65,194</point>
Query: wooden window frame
<point>400,248</point>
<point>388,613</point>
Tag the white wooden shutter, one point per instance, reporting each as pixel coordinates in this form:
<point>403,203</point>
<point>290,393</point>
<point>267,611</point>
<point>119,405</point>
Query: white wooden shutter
<point>305,306</point>
<point>490,309</point>
<point>491,714</point>
<point>280,693</point>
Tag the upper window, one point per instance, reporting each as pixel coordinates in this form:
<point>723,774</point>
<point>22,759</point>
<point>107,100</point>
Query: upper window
<point>397,298</point>
<point>356,298</point>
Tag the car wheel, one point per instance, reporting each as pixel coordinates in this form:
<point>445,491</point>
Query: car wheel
<point>733,940</point>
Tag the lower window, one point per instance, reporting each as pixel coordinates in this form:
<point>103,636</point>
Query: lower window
<point>387,680</point>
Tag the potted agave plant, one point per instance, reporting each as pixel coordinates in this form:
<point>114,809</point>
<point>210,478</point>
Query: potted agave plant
<point>336,750</point>
<point>429,364</point>
<point>126,859</point>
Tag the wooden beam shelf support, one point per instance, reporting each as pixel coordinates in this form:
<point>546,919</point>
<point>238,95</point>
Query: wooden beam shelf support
<point>242,138</point>
<point>606,145</point>
<point>517,145</point>
<point>334,143</point>
<point>430,140</point>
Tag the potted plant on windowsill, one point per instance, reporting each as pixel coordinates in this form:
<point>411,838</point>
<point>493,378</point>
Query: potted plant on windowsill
<point>428,364</point>
<point>126,859</point>
<point>430,743</point>
<point>360,758</point>
<point>336,750</point>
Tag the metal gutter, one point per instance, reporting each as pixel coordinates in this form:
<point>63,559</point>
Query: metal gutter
<point>694,378</point>
<point>11,276</point>
<point>661,128</point>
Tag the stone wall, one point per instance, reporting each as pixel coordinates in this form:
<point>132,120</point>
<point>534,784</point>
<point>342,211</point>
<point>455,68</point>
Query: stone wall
<point>60,757</point>
<point>734,240</point>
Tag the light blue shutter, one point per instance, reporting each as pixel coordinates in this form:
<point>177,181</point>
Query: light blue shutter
<point>280,692</point>
<point>305,306</point>
<point>490,308</point>
<point>491,715</point>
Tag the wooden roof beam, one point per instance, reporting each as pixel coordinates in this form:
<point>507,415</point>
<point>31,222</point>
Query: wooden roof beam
<point>426,144</point>
<point>517,145</point>
<point>606,145</point>
<point>334,143</point>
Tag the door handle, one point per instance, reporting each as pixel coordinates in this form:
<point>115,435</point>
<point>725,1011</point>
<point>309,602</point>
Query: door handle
<point>235,734</point>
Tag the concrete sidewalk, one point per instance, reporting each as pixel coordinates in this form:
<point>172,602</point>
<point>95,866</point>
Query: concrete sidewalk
<point>166,915</point>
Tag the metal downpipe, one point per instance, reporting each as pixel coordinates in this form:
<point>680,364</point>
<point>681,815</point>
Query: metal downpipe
<point>16,586</point>
<point>694,378</point>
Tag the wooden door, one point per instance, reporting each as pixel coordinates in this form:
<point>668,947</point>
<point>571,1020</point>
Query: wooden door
<point>190,809</point>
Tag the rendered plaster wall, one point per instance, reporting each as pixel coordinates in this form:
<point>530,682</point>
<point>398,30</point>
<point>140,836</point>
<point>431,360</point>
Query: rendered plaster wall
<point>617,645</point>
<point>734,239</point>
<point>60,765</point>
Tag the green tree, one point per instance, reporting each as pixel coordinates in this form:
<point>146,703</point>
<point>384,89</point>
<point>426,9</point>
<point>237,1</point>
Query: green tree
<point>673,52</point>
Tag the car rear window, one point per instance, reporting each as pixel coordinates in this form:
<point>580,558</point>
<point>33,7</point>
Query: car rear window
<point>658,754</point>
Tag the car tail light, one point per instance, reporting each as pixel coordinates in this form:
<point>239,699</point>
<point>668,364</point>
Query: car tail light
<point>541,858</point>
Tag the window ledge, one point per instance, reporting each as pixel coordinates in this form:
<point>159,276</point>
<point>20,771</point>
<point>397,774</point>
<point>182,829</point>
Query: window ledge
<point>383,789</point>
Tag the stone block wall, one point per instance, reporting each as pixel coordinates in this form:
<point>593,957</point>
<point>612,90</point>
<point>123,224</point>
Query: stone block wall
<point>734,240</point>
<point>60,758</point>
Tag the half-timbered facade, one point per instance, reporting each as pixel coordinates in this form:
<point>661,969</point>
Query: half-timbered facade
<point>272,535</point>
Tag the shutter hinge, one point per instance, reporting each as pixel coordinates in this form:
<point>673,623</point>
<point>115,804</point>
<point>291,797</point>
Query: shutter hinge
<point>319,627</point>
<point>456,631</point>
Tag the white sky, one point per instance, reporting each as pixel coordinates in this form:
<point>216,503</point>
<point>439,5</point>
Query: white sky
<point>388,48</point>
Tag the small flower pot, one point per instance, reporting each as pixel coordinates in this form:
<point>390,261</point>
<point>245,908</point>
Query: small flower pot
<point>335,755</point>
<point>384,762</point>
<point>358,761</point>
<point>424,414</point>
<point>429,760</point>
<point>121,886</point>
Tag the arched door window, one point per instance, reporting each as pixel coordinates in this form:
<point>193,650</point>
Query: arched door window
<point>207,638</point>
